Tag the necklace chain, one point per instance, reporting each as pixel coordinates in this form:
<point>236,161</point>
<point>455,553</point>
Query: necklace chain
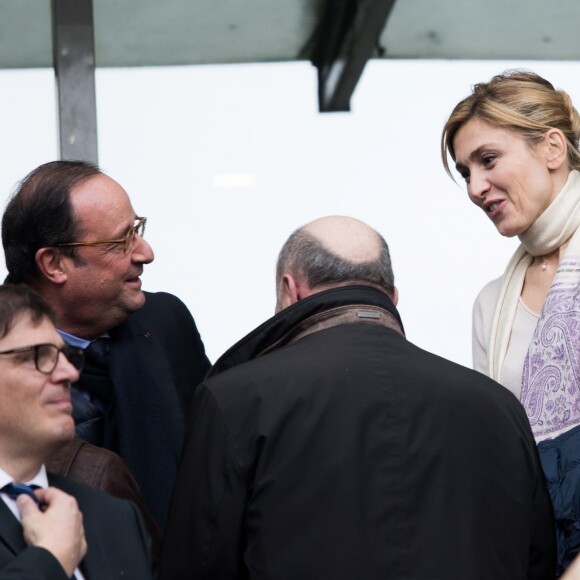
<point>545,263</point>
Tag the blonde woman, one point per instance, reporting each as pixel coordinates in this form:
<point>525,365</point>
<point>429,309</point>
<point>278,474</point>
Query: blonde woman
<point>514,141</point>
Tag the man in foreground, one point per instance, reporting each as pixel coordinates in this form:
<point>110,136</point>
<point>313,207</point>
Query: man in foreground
<point>70,232</point>
<point>73,529</point>
<point>325,445</point>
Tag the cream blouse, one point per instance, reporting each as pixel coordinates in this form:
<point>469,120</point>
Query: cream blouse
<point>522,332</point>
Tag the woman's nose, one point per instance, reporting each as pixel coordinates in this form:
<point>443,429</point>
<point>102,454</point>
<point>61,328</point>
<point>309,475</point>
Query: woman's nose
<point>478,186</point>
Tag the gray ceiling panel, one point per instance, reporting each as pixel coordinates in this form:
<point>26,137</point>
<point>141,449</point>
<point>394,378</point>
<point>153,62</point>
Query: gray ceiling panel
<point>483,29</point>
<point>137,32</point>
<point>25,34</point>
<point>173,32</point>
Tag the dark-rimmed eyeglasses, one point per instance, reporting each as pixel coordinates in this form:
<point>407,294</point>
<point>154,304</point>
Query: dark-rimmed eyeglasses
<point>126,241</point>
<point>46,356</point>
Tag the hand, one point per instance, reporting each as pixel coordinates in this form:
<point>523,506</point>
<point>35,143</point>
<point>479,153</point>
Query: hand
<point>59,528</point>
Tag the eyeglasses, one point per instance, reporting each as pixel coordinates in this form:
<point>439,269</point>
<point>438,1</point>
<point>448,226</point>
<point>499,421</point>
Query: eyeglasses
<point>126,241</point>
<point>46,356</point>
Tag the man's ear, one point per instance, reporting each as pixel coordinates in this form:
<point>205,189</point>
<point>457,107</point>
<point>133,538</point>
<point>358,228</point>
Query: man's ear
<point>556,149</point>
<point>288,292</point>
<point>395,298</point>
<point>50,262</point>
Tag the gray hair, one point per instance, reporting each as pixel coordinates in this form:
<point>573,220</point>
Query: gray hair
<point>304,255</point>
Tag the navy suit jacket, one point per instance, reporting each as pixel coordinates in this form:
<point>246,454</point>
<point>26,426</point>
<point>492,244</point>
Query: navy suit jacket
<point>156,359</point>
<point>118,544</point>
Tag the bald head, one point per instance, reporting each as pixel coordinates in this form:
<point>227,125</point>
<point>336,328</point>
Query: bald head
<point>346,237</point>
<point>328,252</point>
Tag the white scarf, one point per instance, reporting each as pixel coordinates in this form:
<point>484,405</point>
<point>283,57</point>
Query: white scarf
<point>551,378</point>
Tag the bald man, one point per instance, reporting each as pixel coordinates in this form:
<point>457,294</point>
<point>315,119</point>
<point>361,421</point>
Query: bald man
<point>325,446</point>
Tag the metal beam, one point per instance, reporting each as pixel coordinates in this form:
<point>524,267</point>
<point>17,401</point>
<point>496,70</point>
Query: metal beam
<point>74,65</point>
<point>347,38</point>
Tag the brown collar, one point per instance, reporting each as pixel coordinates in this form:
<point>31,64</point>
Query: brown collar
<point>349,314</point>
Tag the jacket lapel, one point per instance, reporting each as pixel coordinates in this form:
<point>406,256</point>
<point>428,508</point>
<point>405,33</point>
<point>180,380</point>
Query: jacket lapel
<point>139,365</point>
<point>10,530</point>
<point>148,413</point>
<point>95,562</point>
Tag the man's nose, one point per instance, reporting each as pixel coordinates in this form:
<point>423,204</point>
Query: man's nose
<point>65,370</point>
<point>142,252</point>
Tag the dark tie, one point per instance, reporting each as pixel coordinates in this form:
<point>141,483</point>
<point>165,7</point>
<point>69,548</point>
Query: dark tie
<point>97,370</point>
<point>93,395</point>
<point>13,490</point>
<point>99,348</point>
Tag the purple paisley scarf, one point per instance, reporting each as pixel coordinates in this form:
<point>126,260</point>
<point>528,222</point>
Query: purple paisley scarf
<point>551,376</point>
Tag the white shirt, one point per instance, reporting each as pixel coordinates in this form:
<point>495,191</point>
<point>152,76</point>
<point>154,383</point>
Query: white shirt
<point>41,480</point>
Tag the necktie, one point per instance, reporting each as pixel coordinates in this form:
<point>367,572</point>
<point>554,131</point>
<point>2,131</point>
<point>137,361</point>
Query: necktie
<point>96,372</point>
<point>99,348</point>
<point>13,490</point>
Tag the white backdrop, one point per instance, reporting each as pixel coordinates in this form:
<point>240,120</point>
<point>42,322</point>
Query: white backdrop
<point>227,161</point>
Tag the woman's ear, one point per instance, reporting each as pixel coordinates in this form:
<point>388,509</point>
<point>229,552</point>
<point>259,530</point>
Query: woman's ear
<point>556,146</point>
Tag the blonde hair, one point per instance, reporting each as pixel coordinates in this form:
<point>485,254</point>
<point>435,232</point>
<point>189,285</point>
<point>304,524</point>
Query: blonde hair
<point>520,101</point>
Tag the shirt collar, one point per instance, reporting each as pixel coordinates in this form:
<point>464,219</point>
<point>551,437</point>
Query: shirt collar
<point>79,342</point>
<point>40,479</point>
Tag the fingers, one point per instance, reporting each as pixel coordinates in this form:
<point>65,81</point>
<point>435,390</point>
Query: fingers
<point>58,528</point>
<point>26,506</point>
<point>49,495</point>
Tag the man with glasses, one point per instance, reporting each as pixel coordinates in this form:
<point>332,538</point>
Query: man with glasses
<point>70,232</point>
<point>88,535</point>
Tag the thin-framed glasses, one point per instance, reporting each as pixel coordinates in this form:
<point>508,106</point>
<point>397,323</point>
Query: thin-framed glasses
<point>46,356</point>
<point>126,241</point>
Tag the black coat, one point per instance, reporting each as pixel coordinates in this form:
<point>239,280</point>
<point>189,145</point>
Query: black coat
<point>155,360</point>
<point>118,545</point>
<point>349,453</point>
